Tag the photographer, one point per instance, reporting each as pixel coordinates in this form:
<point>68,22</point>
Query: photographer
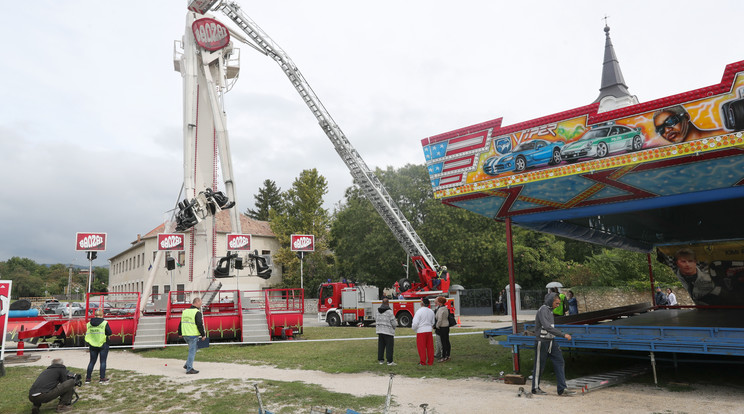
<point>55,381</point>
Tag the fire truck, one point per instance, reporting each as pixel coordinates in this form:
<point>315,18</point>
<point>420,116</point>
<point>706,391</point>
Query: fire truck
<point>346,302</point>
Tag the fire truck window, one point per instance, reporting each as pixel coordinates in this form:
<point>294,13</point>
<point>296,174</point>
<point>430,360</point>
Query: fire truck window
<point>326,292</point>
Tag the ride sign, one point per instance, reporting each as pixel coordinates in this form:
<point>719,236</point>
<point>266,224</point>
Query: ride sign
<point>90,242</point>
<point>5,286</point>
<point>238,242</point>
<point>302,243</point>
<point>210,34</point>
<point>171,241</point>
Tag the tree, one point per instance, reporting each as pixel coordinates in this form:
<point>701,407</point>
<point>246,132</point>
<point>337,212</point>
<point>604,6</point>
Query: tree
<point>269,197</point>
<point>620,268</point>
<point>303,213</point>
<point>473,247</point>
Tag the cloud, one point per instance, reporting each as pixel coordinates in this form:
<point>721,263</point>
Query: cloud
<point>91,127</point>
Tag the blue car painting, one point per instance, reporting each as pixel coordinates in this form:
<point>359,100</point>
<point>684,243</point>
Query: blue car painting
<point>532,153</point>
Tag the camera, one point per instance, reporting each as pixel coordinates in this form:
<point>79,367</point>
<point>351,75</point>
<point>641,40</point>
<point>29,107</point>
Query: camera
<point>78,378</point>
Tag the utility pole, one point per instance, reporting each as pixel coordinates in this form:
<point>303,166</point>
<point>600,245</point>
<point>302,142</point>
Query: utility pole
<point>69,284</point>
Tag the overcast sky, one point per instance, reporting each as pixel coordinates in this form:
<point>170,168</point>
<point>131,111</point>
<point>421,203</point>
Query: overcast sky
<point>90,126</point>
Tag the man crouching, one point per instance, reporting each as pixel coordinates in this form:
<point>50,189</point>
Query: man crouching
<point>53,382</point>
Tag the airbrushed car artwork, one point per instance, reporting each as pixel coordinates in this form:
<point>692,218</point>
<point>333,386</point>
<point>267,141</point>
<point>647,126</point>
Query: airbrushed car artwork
<point>536,152</point>
<point>602,140</point>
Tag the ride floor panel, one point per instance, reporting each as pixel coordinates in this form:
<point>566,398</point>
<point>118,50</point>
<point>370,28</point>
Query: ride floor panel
<point>694,331</point>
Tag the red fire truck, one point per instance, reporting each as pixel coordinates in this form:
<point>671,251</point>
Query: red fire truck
<point>346,302</point>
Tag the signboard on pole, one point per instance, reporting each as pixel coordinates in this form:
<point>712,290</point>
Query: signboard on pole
<point>90,242</point>
<point>302,243</point>
<point>5,286</point>
<point>238,241</point>
<point>171,241</point>
<point>210,34</point>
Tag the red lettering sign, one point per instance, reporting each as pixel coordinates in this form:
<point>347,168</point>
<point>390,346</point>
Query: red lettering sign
<point>302,243</point>
<point>90,242</point>
<point>238,242</point>
<point>210,34</point>
<point>5,286</point>
<point>171,241</point>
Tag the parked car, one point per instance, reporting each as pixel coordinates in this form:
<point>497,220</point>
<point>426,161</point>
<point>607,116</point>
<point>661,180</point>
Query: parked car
<point>107,308</point>
<point>50,307</point>
<point>602,140</point>
<point>67,308</point>
<point>128,309</point>
<point>528,154</point>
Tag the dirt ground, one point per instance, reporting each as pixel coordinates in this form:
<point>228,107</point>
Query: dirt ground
<point>442,396</point>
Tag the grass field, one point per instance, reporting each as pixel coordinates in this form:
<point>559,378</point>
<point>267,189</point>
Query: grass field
<point>472,357</point>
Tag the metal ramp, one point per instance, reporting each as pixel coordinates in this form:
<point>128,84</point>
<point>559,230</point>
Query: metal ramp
<point>594,382</point>
<point>212,290</point>
<point>254,327</point>
<point>150,332</point>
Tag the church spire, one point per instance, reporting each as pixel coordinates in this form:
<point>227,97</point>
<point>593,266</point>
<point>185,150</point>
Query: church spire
<point>613,93</point>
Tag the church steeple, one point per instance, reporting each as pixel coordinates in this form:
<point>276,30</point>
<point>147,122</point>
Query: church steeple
<point>613,93</point>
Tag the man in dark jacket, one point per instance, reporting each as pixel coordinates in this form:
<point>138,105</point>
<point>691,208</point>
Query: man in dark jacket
<point>52,383</point>
<point>191,328</point>
<point>661,298</point>
<point>545,346</point>
<point>96,336</point>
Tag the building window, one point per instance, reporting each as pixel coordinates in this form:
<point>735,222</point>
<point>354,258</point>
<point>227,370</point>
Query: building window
<point>181,297</point>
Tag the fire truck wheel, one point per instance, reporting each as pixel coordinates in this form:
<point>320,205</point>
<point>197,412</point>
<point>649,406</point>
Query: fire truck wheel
<point>404,319</point>
<point>404,284</point>
<point>333,320</point>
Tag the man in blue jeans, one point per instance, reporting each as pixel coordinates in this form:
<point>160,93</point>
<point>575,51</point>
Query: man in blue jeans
<point>191,328</point>
<point>96,336</point>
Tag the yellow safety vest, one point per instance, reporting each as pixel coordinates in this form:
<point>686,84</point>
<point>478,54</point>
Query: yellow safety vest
<point>96,335</point>
<point>188,322</point>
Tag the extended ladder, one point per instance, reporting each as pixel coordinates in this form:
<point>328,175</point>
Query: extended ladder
<point>364,177</point>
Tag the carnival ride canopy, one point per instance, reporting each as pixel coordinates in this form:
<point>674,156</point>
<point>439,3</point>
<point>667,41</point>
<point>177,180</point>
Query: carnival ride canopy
<point>660,173</point>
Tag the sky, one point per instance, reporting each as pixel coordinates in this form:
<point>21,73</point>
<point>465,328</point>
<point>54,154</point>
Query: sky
<point>91,120</point>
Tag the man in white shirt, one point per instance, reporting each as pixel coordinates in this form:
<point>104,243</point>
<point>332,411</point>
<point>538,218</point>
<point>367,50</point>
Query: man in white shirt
<point>423,323</point>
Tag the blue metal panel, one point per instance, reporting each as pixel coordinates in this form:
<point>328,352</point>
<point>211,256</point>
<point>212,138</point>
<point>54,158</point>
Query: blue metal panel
<point>690,340</point>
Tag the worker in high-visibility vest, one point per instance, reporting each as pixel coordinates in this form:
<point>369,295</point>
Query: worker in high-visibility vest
<point>191,328</point>
<point>96,336</point>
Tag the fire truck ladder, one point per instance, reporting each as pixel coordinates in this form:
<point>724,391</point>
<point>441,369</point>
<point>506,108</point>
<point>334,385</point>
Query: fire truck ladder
<point>371,186</point>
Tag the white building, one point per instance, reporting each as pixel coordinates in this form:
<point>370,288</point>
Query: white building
<point>130,269</point>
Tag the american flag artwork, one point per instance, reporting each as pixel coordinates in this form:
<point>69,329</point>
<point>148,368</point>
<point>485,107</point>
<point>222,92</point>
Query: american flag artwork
<point>449,160</point>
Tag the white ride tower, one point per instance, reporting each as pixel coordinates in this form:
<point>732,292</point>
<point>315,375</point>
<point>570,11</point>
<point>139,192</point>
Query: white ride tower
<point>209,66</point>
